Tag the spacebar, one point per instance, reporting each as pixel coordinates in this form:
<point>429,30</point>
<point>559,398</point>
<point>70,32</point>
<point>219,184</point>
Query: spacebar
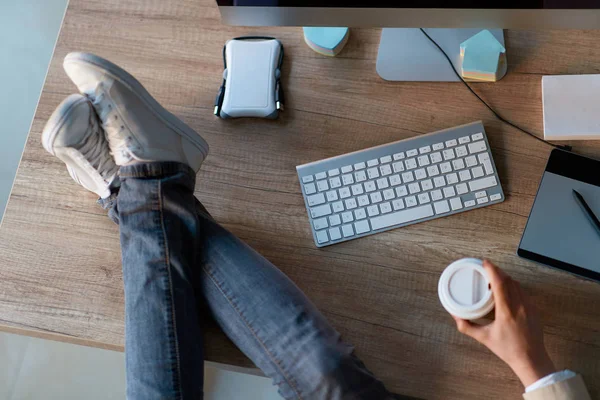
<point>401,217</point>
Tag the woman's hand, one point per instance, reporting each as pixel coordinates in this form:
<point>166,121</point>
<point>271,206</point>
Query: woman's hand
<point>516,335</point>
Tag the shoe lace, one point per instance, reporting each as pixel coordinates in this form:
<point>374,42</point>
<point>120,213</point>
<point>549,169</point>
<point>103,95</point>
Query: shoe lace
<point>95,150</point>
<point>113,128</point>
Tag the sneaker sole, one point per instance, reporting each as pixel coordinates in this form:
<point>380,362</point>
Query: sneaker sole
<point>58,118</point>
<point>137,88</point>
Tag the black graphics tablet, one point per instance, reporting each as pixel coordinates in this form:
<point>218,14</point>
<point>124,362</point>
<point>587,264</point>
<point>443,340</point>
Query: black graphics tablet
<point>558,232</point>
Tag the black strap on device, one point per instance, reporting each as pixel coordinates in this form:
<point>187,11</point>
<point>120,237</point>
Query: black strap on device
<point>278,88</point>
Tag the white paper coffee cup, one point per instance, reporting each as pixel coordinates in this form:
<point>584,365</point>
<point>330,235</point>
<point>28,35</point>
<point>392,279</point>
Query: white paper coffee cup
<point>464,289</point>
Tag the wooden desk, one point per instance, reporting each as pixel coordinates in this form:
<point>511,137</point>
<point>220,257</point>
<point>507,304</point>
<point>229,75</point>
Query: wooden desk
<point>60,274</point>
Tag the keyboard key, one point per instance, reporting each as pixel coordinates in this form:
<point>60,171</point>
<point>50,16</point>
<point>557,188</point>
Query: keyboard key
<point>477,136</point>
<point>385,159</point>
<point>373,173</point>
<point>360,165</point>
<point>322,186</point>
<point>462,188</point>
<point>414,188</point>
<point>495,197</point>
<point>331,196</point>
<point>461,151</point>
<point>477,172</point>
<point>315,199</point>
<point>412,153</point>
<point>322,237</point>
<point>360,176</point>
<point>401,191</point>
<point>347,179</point>
<point>320,211</point>
<point>388,194</point>
<point>357,189</point>
<point>469,203</point>
<point>441,207</point>
<point>411,163</point>
<point>320,223</point>
<point>310,188</point>
<point>373,210</point>
<point>436,195</point>
<point>448,154</point>
<point>370,186</point>
<point>334,234</point>
<point>449,191</point>
<point>385,170</point>
<point>465,175</point>
<point>333,172</point>
<point>337,207</point>
<point>456,204</point>
<point>487,164</point>
<point>350,204</point>
<point>362,227</point>
<point>363,200</point>
<point>482,200</point>
<point>376,197</point>
<point>483,183</point>
<point>344,192</point>
<point>395,180</point>
<point>427,184</point>
<point>382,183</point>
<point>423,161</point>
<point>398,204</point>
<point>360,213</point>
<point>346,169</point>
<point>402,217</point>
<point>408,177</point>
<point>398,166</point>
<point>372,163</point>
<point>335,183</point>
<point>347,230</point>
<point>439,181</point>
<point>471,161</point>
<point>385,207</point>
<point>483,157</point>
<point>436,157</point>
<point>477,147</point>
<point>423,198</point>
<point>438,146</point>
<point>420,174</point>
<point>458,164</point>
<point>451,143</point>
<point>480,194</point>
<point>433,170</point>
<point>445,167</point>
<point>452,178</point>
<point>307,179</point>
<point>347,217</point>
<point>410,201</point>
<point>399,156</point>
<point>321,175</point>
<point>334,220</point>
<point>464,139</point>
<point>425,149</point>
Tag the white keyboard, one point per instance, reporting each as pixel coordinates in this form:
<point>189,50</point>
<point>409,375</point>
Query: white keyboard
<point>399,184</point>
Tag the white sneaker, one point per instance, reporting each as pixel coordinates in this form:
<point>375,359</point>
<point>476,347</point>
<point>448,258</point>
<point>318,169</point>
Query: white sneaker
<point>74,135</point>
<point>138,129</point>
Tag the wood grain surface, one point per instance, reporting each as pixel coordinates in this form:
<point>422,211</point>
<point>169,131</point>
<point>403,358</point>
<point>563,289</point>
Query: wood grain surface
<point>60,274</point>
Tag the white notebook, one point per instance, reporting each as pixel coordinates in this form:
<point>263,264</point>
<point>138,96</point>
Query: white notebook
<point>571,107</point>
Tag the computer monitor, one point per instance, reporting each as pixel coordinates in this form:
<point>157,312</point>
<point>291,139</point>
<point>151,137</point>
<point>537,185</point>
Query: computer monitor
<point>406,54</point>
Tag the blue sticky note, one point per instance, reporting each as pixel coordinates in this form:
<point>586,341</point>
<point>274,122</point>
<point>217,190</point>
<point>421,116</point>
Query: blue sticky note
<point>482,53</point>
<point>327,38</point>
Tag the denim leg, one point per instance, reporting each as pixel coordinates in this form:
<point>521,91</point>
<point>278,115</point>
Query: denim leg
<point>158,224</point>
<point>269,318</point>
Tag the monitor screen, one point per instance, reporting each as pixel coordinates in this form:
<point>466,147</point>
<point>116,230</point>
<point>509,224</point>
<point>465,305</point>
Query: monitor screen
<point>441,4</point>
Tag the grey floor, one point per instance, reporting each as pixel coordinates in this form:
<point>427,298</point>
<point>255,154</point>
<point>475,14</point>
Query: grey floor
<point>39,369</point>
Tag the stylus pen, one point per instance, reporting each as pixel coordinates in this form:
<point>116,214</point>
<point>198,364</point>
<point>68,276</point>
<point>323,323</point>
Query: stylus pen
<point>587,210</point>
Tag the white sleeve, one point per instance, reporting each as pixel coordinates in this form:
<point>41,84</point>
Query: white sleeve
<point>550,380</point>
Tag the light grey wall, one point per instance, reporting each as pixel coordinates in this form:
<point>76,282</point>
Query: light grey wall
<point>28,32</point>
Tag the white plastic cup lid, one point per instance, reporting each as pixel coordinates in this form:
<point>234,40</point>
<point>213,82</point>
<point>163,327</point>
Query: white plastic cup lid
<point>464,289</point>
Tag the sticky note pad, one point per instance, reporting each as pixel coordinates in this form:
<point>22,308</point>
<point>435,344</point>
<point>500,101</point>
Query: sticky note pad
<point>326,41</point>
<point>483,57</point>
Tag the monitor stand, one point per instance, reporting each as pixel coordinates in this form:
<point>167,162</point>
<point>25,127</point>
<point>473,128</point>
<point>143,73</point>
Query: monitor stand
<point>405,54</point>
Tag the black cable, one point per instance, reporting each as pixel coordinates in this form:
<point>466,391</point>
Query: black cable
<point>563,147</point>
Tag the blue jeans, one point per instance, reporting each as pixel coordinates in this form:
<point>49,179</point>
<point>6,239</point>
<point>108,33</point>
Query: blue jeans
<point>176,258</point>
